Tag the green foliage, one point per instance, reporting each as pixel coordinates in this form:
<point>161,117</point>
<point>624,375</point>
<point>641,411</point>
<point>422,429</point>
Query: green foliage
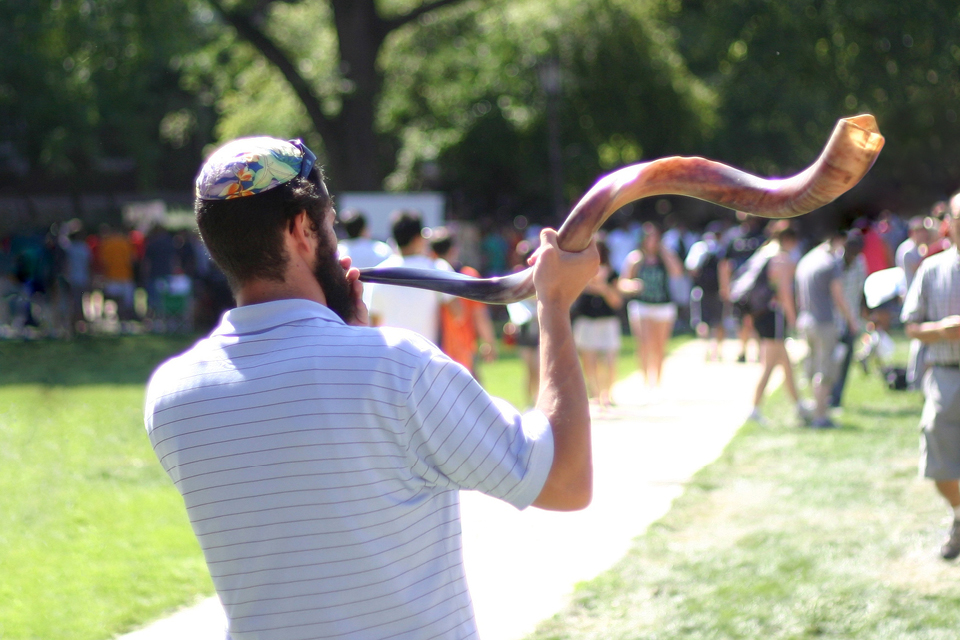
<point>469,98</point>
<point>252,96</point>
<point>786,71</point>
<point>86,87</point>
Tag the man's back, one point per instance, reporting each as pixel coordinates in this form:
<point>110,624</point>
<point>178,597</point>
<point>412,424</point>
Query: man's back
<point>414,309</point>
<point>365,252</point>
<point>815,272</point>
<point>320,464</point>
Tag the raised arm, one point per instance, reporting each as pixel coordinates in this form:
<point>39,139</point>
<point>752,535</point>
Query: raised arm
<point>559,277</point>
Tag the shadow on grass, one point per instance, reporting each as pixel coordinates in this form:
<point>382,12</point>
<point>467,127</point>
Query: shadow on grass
<point>87,360</point>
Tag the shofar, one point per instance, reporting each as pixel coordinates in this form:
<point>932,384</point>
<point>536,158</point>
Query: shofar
<point>851,151</point>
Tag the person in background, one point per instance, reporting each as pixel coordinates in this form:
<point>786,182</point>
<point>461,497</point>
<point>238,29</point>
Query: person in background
<point>737,245</point>
<point>849,248</point>
<point>524,329</point>
<point>77,272</point>
<point>116,257</point>
<point>774,322</point>
<point>596,329</point>
<point>466,330</point>
<point>931,314</point>
<point>159,259</point>
<point>707,299</point>
<point>414,309</point>
<point>820,298</point>
<point>363,250</point>
<point>652,313</point>
<point>912,250</point>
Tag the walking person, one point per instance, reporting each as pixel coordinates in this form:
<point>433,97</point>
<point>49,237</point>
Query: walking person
<point>320,460</point>
<point>596,329</point>
<point>931,314</point>
<point>652,313</point>
<point>820,298</point>
<point>774,320</point>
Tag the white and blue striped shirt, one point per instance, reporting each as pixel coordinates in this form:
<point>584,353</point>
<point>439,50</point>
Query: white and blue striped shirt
<point>320,466</point>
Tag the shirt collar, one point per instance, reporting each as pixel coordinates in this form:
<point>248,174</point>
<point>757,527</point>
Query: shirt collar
<point>256,318</point>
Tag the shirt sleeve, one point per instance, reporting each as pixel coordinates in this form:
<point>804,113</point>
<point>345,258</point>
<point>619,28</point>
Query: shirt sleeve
<point>458,436</point>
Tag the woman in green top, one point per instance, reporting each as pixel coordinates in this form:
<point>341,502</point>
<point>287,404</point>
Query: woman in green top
<point>652,312</point>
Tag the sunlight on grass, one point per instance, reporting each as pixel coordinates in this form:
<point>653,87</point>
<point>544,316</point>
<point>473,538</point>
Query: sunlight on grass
<point>793,533</point>
<point>95,539</point>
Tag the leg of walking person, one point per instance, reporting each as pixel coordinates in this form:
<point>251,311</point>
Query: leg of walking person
<point>661,335</point>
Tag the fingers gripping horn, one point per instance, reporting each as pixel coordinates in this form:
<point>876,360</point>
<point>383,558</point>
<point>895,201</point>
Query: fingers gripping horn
<point>851,151</point>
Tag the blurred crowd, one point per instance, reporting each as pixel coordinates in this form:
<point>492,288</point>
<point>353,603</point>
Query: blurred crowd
<point>70,280</point>
<point>655,281</point>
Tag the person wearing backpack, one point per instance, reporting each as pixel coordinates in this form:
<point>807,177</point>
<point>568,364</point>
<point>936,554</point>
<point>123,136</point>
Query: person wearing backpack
<point>763,291</point>
<point>706,300</point>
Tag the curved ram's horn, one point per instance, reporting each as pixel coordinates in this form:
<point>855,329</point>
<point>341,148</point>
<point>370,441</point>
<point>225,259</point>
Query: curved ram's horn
<point>851,151</point>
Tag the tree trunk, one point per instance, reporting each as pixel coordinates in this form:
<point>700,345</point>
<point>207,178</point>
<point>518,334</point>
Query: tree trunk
<point>360,32</point>
<point>351,142</point>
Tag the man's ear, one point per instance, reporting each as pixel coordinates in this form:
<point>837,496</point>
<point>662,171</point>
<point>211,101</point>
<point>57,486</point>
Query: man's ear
<point>301,230</point>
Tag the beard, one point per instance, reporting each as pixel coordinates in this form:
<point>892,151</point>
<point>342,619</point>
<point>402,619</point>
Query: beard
<point>333,279</point>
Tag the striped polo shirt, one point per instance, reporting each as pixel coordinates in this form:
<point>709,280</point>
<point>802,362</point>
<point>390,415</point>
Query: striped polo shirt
<point>321,465</point>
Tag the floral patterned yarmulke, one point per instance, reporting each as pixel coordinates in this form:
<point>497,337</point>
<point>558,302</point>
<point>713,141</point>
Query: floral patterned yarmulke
<point>248,166</point>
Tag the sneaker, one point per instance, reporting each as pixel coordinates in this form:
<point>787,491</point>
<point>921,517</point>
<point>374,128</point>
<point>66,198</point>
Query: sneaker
<point>951,548</point>
<point>757,417</point>
<point>805,411</point>
<point>823,423</point>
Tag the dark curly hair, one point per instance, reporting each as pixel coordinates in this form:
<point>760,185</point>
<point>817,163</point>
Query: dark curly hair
<point>245,235</point>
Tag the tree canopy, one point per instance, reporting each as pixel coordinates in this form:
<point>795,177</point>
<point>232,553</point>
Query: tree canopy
<point>467,96</point>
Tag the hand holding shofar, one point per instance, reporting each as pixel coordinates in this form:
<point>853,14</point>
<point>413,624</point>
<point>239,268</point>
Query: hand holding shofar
<point>851,151</point>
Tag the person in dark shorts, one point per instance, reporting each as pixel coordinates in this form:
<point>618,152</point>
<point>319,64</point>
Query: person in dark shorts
<point>706,298</point>
<point>772,323</point>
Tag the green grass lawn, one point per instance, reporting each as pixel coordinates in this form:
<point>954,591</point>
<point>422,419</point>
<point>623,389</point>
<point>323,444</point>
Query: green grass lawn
<point>792,534</point>
<point>94,538</point>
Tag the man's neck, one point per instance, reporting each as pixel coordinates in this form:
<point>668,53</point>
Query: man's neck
<point>260,291</point>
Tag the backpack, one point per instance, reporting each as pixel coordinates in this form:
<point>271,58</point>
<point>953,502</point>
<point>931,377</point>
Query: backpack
<point>750,290</point>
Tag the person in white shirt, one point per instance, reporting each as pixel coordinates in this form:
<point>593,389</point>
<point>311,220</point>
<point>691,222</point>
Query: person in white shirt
<point>320,460</point>
<point>414,309</point>
<point>363,250</point>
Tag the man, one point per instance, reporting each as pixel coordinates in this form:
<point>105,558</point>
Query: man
<point>363,250</point>
<point>320,460</point>
<point>115,257</point>
<point>414,309</point>
<point>909,253</point>
<point>820,296</point>
<point>703,264</point>
<point>738,244</point>
<point>850,250</point>
<point>931,314</point>
<point>466,327</point>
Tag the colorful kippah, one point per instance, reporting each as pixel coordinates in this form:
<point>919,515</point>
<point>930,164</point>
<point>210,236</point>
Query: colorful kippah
<point>247,166</point>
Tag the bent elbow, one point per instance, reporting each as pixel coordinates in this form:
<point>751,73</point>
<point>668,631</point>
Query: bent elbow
<point>571,497</point>
<point>581,500</point>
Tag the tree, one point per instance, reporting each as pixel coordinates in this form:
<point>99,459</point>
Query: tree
<point>90,96</point>
<point>784,72</point>
<point>354,153</point>
<point>469,103</point>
